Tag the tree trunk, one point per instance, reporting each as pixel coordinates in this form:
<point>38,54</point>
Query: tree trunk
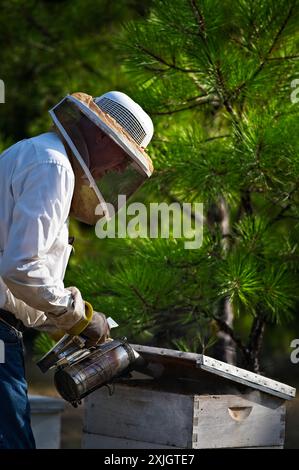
<point>255,343</point>
<point>225,349</point>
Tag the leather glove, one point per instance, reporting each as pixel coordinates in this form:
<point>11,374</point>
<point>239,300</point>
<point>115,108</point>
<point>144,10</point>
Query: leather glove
<point>97,331</point>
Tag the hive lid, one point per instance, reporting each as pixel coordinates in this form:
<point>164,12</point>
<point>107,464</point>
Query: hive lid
<point>171,363</point>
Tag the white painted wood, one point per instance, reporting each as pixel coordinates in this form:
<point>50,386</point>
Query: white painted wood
<point>246,377</point>
<point>192,361</point>
<point>166,419</point>
<point>96,441</point>
<point>46,420</point>
<point>140,414</point>
<point>260,448</point>
<point>46,430</point>
<point>232,421</point>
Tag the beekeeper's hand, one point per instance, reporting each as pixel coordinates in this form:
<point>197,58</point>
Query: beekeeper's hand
<point>97,331</point>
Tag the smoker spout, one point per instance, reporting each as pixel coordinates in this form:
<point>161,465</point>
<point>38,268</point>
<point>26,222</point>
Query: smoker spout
<point>144,367</point>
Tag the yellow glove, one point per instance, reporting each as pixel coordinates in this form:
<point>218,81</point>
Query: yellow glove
<point>78,328</point>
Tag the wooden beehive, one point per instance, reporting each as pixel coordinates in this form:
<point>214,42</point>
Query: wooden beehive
<point>193,402</point>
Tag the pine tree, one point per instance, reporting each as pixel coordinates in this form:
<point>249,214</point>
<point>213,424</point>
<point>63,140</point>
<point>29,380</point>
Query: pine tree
<point>217,78</point>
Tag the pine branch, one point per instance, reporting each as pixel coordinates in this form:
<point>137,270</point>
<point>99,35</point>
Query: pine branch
<point>240,43</point>
<point>199,18</point>
<point>266,58</point>
<point>192,75</point>
<point>197,84</point>
<point>283,210</point>
<point>200,101</point>
<point>229,331</point>
<point>163,61</point>
<point>175,199</point>
<point>194,98</point>
<point>224,136</point>
<point>286,57</point>
<point>140,297</point>
<point>201,29</point>
<point>154,70</point>
<point>225,95</point>
<point>281,29</point>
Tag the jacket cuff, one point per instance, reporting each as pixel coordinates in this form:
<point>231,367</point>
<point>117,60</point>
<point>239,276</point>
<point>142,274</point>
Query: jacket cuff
<point>82,324</point>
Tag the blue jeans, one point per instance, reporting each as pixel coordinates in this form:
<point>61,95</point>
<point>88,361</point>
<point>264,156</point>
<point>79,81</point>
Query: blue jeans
<point>15,428</point>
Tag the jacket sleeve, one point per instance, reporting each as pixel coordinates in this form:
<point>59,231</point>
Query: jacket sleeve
<point>43,194</point>
<point>31,317</point>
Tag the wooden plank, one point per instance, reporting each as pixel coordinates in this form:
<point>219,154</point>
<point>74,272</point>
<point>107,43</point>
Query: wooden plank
<point>97,441</point>
<point>246,377</point>
<point>231,421</point>
<point>169,362</point>
<point>46,430</point>
<point>186,421</point>
<point>141,414</point>
<point>269,447</point>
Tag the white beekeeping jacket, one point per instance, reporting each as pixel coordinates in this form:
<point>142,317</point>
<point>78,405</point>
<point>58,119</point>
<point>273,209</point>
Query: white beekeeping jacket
<point>36,188</point>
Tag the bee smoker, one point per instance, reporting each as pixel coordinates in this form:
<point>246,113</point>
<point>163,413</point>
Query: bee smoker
<point>81,370</point>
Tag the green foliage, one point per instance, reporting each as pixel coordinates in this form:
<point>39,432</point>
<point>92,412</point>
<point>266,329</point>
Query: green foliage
<point>49,49</point>
<point>216,78</point>
<point>202,340</point>
<point>42,344</point>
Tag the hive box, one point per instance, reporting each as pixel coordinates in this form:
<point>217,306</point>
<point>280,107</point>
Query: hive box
<point>193,402</point>
<point>46,421</point>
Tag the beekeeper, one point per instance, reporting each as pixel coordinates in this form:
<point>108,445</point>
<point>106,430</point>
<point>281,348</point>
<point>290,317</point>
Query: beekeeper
<point>95,152</point>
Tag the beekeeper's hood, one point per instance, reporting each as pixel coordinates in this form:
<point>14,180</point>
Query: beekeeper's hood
<point>127,124</point>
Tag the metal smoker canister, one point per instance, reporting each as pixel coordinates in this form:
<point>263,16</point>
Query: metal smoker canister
<point>77,380</point>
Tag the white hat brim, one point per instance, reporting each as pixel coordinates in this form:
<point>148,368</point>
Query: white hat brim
<point>116,136</point>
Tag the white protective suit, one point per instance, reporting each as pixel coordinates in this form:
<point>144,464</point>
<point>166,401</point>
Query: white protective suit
<point>36,189</point>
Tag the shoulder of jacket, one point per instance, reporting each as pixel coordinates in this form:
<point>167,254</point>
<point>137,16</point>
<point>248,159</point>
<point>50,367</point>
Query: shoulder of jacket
<point>41,153</point>
<point>48,148</point>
